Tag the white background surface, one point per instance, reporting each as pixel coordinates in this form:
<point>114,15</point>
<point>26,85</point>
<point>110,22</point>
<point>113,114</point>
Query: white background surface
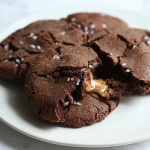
<point>13,10</point>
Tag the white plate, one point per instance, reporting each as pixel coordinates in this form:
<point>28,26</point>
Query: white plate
<point>129,123</point>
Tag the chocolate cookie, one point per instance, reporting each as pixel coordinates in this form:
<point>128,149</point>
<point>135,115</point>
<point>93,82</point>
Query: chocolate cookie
<point>129,55</point>
<point>18,51</point>
<point>64,87</point>
<point>93,22</point>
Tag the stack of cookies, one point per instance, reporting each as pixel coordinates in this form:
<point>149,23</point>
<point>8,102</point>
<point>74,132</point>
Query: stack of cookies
<point>77,70</point>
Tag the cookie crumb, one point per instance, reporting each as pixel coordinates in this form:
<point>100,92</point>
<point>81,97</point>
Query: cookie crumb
<point>104,25</point>
<point>21,42</point>
<point>128,70</point>
<point>62,33</point>
<point>56,57</point>
<point>33,46</point>
<point>124,64</point>
<point>73,19</point>
<point>78,82</point>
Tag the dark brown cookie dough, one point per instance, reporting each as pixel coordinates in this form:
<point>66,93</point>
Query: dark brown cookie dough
<point>18,51</point>
<point>56,92</point>
<point>90,23</point>
<point>128,51</point>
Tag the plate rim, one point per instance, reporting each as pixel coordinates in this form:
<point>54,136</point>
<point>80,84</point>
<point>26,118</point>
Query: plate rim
<point>71,144</point>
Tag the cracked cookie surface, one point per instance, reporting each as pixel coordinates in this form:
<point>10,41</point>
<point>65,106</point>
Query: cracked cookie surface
<point>56,91</point>
<point>18,51</point>
<point>125,56</point>
<point>90,23</point>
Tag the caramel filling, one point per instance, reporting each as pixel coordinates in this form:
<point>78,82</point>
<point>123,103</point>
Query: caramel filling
<point>97,86</point>
<point>41,34</point>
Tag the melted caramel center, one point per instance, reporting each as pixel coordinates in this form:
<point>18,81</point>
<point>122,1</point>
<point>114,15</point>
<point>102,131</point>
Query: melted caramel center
<point>97,86</point>
<point>41,34</point>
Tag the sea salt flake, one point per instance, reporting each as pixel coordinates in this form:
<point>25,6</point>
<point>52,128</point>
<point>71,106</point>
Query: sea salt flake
<point>148,42</point>
<point>68,79</point>
<point>57,43</point>
<point>75,102</point>
<point>22,59</point>
<point>78,103</point>
<point>67,103</point>
<point>72,79</point>
<point>110,53</point>
<point>79,25</point>
<point>10,56</point>
<point>73,19</point>
<point>48,76</point>
<point>16,65</point>
<point>124,64</point>
<point>34,37</point>
<point>83,69</point>
<point>85,28</point>
<point>86,32</point>
<point>62,33</point>
<point>6,60</point>
<point>31,34</point>
<point>56,57</point>
<point>18,60</point>
<point>90,66</point>
<point>103,90</point>
<point>78,82</point>
<point>104,25</point>
<point>134,46</point>
<point>92,26</point>
<point>92,32</point>
<point>95,64</point>
<point>128,70</point>
<point>6,47</point>
<point>146,37</point>
<point>21,42</point>
<point>38,47</point>
<point>33,46</point>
